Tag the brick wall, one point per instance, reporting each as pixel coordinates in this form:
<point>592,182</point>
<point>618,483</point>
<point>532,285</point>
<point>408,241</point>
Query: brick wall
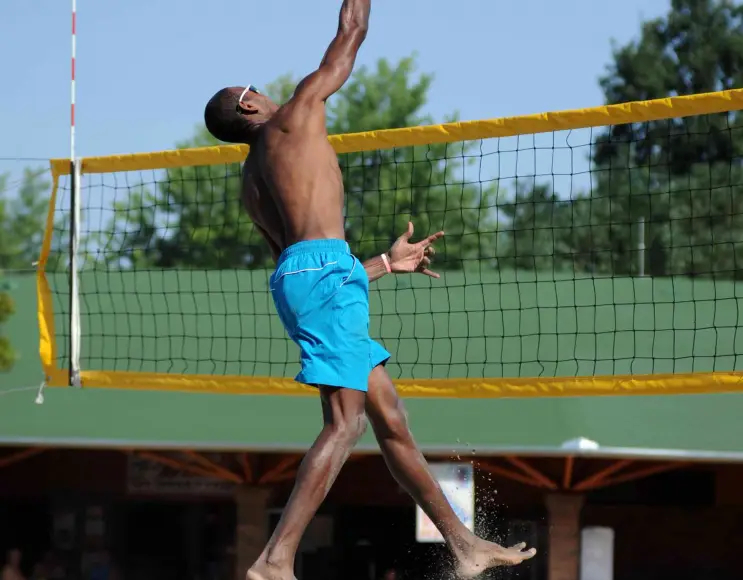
<point>673,543</point>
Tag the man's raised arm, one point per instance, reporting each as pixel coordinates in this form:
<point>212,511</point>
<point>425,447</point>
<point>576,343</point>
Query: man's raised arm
<point>340,57</point>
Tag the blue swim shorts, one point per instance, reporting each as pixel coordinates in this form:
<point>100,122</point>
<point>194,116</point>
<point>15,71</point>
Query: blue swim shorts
<point>321,293</point>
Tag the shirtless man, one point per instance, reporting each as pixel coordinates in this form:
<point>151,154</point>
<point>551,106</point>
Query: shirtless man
<point>293,191</point>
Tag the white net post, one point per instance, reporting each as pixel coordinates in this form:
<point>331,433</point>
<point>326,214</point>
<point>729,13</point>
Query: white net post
<point>74,361</point>
<point>74,347</point>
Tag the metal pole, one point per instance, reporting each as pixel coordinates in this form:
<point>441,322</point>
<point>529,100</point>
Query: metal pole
<point>74,346</point>
<point>72,80</point>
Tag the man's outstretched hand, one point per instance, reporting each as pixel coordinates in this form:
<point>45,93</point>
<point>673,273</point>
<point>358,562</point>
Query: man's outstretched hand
<point>407,257</point>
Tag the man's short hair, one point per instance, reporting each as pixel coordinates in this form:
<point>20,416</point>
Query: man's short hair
<point>222,119</point>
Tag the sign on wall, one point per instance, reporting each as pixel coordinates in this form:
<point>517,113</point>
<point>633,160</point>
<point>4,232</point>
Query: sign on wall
<point>458,483</point>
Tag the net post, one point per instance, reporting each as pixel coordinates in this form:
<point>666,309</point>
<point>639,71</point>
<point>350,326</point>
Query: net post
<point>74,347</point>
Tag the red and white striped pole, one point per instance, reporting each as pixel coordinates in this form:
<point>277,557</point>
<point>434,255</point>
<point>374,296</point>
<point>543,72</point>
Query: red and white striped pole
<point>74,346</point>
<point>72,83</point>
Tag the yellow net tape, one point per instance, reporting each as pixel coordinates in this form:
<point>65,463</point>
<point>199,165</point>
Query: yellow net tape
<point>637,112</point>
<point>47,337</point>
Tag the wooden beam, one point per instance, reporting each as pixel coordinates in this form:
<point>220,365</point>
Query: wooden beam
<point>532,471</point>
<point>567,474</point>
<point>248,474</point>
<point>18,456</point>
<point>282,468</point>
<point>184,466</point>
<point>643,473</point>
<point>597,479</point>
<point>286,476</point>
<point>217,469</point>
<point>507,473</point>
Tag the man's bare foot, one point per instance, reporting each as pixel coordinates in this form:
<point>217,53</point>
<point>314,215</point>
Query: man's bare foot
<point>486,555</point>
<point>263,571</point>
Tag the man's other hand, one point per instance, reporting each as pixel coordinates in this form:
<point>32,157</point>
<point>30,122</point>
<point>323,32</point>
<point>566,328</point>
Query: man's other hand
<point>406,257</point>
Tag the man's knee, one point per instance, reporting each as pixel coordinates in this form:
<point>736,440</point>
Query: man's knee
<point>344,414</point>
<point>385,407</point>
<point>349,429</point>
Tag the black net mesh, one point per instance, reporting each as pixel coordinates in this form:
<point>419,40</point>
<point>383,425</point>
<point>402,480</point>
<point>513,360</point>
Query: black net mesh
<point>597,251</point>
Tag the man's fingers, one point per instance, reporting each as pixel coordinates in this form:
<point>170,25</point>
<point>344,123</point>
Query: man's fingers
<point>409,233</point>
<point>428,272</point>
<point>431,239</point>
<point>425,262</point>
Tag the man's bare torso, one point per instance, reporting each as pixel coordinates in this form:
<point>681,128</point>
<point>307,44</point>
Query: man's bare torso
<point>292,183</point>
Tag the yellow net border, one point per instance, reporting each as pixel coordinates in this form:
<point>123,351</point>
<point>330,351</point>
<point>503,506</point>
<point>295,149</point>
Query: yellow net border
<point>636,112</point>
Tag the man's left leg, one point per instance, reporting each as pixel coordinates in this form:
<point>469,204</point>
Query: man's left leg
<point>343,424</point>
<point>410,469</point>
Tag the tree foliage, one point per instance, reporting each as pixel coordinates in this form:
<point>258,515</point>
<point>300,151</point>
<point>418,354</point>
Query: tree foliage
<point>22,217</point>
<point>681,178</point>
<point>7,308</point>
<point>386,188</point>
<point>23,211</point>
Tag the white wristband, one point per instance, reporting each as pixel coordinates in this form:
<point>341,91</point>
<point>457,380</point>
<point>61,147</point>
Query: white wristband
<point>386,261</point>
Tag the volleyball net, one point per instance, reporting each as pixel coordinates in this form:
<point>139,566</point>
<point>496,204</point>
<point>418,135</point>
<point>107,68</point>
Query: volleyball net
<point>587,252</point>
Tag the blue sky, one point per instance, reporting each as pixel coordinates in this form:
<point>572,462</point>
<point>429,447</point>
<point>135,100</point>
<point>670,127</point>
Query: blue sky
<point>146,67</point>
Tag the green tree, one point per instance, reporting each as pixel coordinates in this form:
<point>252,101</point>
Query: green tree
<point>429,184</point>
<point>22,219</point>
<point>696,48</point>
<point>530,240</point>
<point>682,178</point>
<point>7,308</point>
<point>194,217</point>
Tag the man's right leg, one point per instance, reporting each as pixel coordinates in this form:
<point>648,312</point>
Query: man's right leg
<point>410,469</point>
<point>344,423</point>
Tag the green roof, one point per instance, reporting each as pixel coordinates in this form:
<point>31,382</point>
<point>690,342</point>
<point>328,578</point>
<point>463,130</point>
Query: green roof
<point>697,426</point>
